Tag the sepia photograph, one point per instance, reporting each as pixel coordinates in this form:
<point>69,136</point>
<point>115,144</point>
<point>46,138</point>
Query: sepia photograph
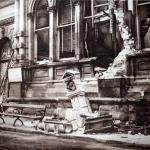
<point>74,74</point>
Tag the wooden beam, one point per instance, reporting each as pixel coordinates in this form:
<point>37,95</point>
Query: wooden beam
<point>142,4</point>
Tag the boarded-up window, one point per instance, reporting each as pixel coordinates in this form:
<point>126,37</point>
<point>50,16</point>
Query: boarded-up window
<point>42,30</point>
<point>66,29</point>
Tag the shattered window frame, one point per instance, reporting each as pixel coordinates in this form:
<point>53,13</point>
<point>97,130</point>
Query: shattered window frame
<point>98,19</point>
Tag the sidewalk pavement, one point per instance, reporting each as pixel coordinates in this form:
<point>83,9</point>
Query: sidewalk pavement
<point>137,140</point>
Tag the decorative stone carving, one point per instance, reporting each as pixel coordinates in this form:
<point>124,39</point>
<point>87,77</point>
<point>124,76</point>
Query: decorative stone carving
<point>76,2</point>
<point>51,8</point>
<point>30,15</point>
<point>51,3</point>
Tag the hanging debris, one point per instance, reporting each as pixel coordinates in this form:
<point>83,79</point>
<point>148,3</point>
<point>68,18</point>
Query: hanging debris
<point>118,67</point>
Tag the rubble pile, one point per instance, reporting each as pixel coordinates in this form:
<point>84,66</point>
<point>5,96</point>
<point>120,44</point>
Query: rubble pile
<point>118,67</point>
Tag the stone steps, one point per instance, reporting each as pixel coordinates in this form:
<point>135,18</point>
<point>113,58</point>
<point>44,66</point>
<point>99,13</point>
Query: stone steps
<point>142,82</point>
<point>139,89</point>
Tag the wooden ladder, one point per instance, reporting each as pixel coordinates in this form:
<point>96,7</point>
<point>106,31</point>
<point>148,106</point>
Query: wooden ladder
<point>5,77</point>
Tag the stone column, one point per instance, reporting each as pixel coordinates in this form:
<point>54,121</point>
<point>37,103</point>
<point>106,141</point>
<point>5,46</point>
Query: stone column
<point>51,33</point>
<point>16,15</point>
<point>78,28</point>
<point>31,37</point>
<point>22,25</point>
<point>52,30</point>
<point>16,39</point>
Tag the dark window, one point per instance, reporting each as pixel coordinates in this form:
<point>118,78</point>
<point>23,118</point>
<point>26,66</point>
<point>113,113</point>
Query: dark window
<point>42,15</point>
<point>98,39</point>
<point>42,30</point>
<point>66,29</point>
<point>144,16</point>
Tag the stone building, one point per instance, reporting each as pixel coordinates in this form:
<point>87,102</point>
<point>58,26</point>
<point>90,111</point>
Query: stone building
<point>41,39</point>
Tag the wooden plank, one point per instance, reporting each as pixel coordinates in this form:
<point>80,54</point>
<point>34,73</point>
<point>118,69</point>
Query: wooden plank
<point>102,129</point>
<point>100,117</point>
<point>24,106</point>
<point>56,122</point>
<point>142,4</point>
<point>66,25</point>
<point>101,5</point>
<point>21,116</point>
<point>97,121</point>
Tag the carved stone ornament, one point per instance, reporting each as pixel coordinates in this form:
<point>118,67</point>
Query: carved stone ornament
<point>50,8</point>
<point>30,15</point>
<point>52,3</point>
<point>76,2</point>
<point>71,85</point>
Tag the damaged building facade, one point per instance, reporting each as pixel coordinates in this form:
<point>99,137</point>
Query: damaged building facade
<point>106,41</point>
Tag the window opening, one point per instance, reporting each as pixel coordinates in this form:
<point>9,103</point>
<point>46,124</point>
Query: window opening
<point>97,36</point>
<point>144,21</point>
<point>42,30</point>
<point>66,29</point>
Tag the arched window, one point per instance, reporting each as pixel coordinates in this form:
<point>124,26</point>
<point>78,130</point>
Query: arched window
<point>41,30</point>
<point>66,29</point>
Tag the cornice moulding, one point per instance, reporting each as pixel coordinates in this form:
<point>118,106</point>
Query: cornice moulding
<point>7,21</point>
